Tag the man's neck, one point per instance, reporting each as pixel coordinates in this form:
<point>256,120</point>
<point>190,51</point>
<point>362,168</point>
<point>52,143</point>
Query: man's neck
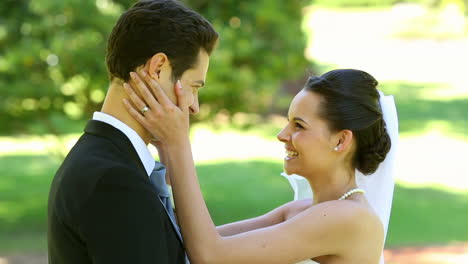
<point>113,105</point>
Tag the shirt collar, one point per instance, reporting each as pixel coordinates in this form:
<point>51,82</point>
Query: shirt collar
<point>141,148</point>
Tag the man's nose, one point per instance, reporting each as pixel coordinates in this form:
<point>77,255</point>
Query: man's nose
<point>195,108</point>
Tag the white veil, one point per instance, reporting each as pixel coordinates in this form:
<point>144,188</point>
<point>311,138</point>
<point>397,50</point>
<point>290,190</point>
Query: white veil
<point>379,185</point>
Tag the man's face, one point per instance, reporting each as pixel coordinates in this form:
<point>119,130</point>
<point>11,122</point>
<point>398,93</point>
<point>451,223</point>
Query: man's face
<point>192,80</point>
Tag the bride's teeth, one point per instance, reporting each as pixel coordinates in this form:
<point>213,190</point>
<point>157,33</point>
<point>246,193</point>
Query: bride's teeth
<point>291,153</point>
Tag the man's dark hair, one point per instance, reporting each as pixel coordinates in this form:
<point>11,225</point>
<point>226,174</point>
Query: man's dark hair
<point>154,26</point>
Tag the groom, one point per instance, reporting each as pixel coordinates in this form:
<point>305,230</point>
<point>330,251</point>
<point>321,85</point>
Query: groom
<point>107,202</point>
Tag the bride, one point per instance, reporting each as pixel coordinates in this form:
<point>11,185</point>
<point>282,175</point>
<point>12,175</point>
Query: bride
<point>335,127</point>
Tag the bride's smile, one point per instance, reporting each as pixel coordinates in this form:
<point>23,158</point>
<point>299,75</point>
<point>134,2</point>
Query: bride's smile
<point>290,154</point>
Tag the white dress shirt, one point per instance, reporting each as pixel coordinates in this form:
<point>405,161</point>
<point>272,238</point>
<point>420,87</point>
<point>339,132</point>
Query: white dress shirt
<point>141,148</point>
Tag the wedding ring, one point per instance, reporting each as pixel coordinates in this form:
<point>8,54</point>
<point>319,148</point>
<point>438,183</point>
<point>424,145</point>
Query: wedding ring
<point>144,110</point>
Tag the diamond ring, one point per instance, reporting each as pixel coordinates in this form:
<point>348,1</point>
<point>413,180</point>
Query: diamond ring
<point>144,110</point>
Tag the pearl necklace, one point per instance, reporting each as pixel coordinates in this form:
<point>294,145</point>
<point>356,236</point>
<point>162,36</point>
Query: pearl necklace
<point>346,195</point>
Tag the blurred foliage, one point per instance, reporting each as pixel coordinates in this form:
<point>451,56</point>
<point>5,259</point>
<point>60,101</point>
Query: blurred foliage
<point>261,45</point>
<point>52,60</point>
<point>52,57</point>
<point>383,3</point>
<point>447,21</point>
<point>370,3</point>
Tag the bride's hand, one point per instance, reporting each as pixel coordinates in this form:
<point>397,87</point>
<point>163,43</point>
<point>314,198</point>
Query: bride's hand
<point>167,122</point>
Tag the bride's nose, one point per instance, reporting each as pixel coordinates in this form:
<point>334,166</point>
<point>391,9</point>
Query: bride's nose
<point>283,135</point>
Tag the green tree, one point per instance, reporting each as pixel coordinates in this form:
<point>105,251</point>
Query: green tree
<point>52,57</point>
<point>261,46</point>
<point>52,60</point>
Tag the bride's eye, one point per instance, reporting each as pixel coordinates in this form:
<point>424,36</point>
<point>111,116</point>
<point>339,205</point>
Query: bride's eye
<point>299,126</point>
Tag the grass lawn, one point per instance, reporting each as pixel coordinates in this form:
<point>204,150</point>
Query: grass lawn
<point>233,190</point>
<point>238,189</point>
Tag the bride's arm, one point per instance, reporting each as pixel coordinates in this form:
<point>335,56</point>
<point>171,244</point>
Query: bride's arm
<point>271,218</point>
<point>325,229</point>
<point>274,217</point>
<point>320,230</point>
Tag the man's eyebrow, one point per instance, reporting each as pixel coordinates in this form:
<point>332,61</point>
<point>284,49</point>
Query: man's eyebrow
<point>299,119</point>
<point>200,83</point>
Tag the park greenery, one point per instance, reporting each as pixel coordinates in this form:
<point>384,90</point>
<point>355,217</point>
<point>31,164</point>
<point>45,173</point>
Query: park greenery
<point>53,76</point>
<point>384,3</point>
<point>52,58</point>
<point>234,190</point>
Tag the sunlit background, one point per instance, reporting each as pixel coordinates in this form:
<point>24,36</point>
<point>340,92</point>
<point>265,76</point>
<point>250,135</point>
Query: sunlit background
<point>52,77</point>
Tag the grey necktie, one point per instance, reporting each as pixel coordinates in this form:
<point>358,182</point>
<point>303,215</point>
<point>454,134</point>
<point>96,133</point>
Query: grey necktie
<point>158,179</point>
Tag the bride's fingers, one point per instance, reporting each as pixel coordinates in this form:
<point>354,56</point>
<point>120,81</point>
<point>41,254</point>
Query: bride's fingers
<point>150,81</point>
<point>179,93</point>
<point>139,104</point>
<point>144,91</point>
<point>161,96</point>
<point>136,114</point>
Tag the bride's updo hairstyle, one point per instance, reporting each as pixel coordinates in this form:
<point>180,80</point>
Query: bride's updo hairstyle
<point>350,101</point>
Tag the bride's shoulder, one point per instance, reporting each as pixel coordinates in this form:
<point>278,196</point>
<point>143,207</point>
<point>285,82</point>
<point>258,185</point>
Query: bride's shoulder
<point>346,214</point>
<point>335,225</point>
<point>295,207</point>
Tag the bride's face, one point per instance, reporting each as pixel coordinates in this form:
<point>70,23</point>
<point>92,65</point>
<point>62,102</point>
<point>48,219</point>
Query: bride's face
<point>308,141</point>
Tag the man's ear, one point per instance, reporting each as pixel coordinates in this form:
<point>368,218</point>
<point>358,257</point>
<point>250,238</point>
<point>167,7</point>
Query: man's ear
<point>344,140</point>
<point>155,64</point>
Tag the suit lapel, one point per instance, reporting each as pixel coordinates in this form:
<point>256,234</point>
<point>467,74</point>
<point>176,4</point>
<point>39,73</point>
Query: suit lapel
<point>119,139</point>
<point>174,224</point>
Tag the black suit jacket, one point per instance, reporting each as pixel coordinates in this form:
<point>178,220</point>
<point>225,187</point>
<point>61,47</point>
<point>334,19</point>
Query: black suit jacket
<point>103,209</point>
